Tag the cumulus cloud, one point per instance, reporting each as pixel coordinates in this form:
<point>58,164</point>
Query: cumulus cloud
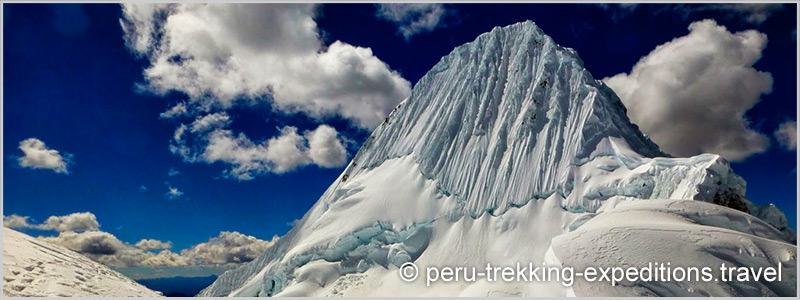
<point>228,249</point>
<point>73,222</point>
<point>107,249</point>
<point>84,221</point>
<point>324,147</point>
<point>286,152</point>
<point>690,95</point>
<point>412,18</point>
<point>787,135</point>
<point>88,242</point>
<point>220,53</point>
<point>16,221</point>
<point>38,156</point>
<point>221,57</point>
<point>151,244</point>
<point>164,258</point>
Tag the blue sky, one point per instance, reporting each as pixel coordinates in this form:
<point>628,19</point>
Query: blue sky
<point>72,82</point>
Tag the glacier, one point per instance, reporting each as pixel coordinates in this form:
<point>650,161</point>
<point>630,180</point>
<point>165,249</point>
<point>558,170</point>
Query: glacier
<point>506,151</point>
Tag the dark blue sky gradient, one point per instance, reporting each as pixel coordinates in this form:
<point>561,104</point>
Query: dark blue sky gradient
<point>69,81</point>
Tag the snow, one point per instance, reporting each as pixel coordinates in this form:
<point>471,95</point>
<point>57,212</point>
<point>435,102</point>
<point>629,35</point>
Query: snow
<point>685,233</point>
<point>34,268</point>
<point>487,163</point>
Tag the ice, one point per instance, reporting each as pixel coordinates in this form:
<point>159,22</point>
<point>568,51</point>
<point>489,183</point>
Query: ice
<point>506,146</point>
<point>34,268</point>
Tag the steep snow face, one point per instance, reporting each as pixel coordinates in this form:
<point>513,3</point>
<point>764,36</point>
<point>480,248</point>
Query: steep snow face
<point>33,268</point>
<point>505,145</point>
<point>502,120</point>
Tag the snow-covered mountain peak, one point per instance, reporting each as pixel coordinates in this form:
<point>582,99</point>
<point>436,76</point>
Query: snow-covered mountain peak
<point>510,105</point>
<point>504,145</point>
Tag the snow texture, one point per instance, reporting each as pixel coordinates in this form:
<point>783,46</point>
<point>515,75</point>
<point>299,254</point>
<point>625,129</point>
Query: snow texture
<point>34,268</point>
<point>503,153</point>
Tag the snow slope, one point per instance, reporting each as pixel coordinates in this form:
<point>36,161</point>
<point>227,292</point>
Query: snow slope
<point>40,269</point>
<point>685,233</point>
<point>507,144</point>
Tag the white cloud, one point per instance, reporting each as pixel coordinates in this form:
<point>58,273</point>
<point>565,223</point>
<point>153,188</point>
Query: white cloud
<point>210,121</point>
<point>164,258</point>
<point>84,221</point>
<point>38,156</point>
<point>88,242</point>
<point>107,249</point>
<point>228,248</point>
<point>221,57</point>
<point>787,135</point>
<point>172,192</point>
<point>286,152</point>
<point>151,244</point>
<point>223,54</point>
<point>16,221</point>
<point>690,94</point>
<point>173,172</point>
<point>139,24</point>
<point>412,18</point>
<point>176,110</point>
<point>178,135</point>
<point>324,147</point>
<point>73,222</point>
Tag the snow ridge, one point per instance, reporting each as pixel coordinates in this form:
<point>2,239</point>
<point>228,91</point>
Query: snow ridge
<point>33,268</point>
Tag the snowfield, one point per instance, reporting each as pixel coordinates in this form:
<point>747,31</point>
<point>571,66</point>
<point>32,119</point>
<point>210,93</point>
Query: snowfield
<point>685,233</point>
<point>33,268</point>
<point>509,151</point>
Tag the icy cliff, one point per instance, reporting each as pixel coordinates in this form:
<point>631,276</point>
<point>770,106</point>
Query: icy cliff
<point>505,146</point>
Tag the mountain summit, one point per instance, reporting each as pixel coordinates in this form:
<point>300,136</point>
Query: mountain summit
<point>509,151</point>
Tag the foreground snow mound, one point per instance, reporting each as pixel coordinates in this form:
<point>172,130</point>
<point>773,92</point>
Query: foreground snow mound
<point>685,234</point>
<point>507,143</point>
<point>33,268</point>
